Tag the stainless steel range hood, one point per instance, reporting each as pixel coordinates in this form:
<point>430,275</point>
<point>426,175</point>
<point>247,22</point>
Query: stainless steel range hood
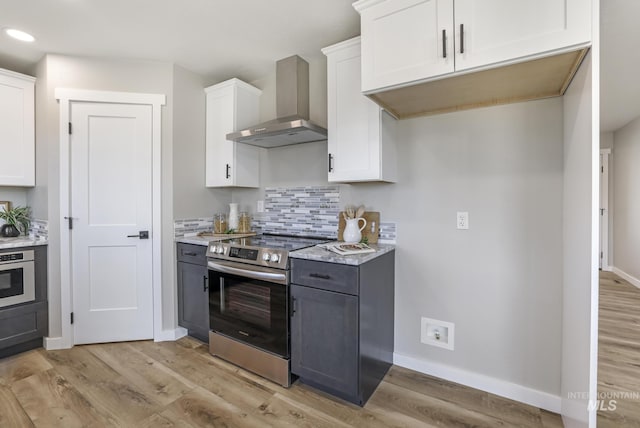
<point>292,108</point>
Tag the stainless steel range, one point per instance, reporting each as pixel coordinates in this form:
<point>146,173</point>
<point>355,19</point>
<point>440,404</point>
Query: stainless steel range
<point>249,302</point>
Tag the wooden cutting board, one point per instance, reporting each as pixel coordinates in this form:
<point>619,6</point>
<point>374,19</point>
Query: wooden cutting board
<point>371,230</point>
<point>227,235</point>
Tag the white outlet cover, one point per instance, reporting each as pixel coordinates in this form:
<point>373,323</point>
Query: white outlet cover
<point>260,207</point>
<point>462,220</point>
<point>428,327</point>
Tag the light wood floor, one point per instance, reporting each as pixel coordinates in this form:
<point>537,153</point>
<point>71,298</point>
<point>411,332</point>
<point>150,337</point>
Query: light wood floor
<point>146,384</point>
<point>619,350</point>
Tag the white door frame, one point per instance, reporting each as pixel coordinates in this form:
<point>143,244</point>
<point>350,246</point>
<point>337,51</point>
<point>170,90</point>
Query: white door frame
<point>65,98</point>
<point>604,205</point>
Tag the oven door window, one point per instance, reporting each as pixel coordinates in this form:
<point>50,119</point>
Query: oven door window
<point>11,282</point>
<point>252,311</point>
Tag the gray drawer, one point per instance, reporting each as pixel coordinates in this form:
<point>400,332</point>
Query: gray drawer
<point>196,254</point>
<point>325,276</point>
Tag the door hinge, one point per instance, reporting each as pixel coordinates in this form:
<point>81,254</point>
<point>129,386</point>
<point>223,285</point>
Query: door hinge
<point>71,317</point>
<point>602,169</point>
<point>70,222</point>
<point>70,129</point>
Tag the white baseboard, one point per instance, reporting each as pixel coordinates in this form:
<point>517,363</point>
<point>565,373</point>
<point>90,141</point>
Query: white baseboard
<point>607,268</point>
<point>509,390</point>
<point>170,335</point>
<point>53,343</point>
<point>622,274</point>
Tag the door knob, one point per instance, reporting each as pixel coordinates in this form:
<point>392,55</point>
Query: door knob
<point>143,234</point>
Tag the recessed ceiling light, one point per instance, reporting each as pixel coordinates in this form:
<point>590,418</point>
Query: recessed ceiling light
<point>20,35</point>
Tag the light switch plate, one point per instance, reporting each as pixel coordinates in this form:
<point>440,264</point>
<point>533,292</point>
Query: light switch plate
<point>260,207</point>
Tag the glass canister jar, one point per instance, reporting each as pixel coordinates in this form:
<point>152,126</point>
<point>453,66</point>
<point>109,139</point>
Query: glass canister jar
<point>220,223</point>
<point>244,222</point>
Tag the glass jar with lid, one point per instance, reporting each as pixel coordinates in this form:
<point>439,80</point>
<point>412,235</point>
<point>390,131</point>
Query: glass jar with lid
<point>244,222</point>
<point>220,223</point>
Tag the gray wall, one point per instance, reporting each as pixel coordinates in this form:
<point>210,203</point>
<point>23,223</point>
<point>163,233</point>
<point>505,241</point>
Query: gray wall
<point>57,71</point>
<point>626,205</point>
<point>500,281</point>
<point>16,195</point>
<point>190,198</point>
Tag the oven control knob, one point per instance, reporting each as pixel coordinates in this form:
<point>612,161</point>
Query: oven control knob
<point>266,257</point>
<point>275,258</point>
<point>219,249</point>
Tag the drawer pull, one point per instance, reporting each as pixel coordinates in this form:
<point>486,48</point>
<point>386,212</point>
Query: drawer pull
<point>189,253</point>
<point>319,275</point>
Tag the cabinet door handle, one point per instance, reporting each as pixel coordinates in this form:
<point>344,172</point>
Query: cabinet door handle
<point>330,159</point>
<point>227,174</point>
<point>206,282</point>
<point>444,43</point>
<point>319,275</point>
<point>293,306</point>
<point>461,38</point>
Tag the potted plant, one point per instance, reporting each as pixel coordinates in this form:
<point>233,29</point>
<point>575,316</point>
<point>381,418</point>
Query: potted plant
<point>15,219</point>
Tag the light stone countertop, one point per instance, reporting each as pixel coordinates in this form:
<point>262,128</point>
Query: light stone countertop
<point>323,255</point>
<point>198,240</point>
<point>21,241</point>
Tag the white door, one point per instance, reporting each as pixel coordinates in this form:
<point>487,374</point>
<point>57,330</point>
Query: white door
<point>111,185</point>
<point>604,210</point>
<point>500,30</point>
<point>405,41</point>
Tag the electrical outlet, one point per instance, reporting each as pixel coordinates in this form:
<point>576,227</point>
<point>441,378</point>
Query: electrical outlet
<point>260,207</point>
<point>462,220</point>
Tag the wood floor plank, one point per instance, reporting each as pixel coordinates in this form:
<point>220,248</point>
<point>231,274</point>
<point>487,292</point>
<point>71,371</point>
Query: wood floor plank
<point>11,412</point>
<point>619,350</point>
<point>21,366</point>
<point>149,376</point>
<point>201,408</point>
<point>51,401</point>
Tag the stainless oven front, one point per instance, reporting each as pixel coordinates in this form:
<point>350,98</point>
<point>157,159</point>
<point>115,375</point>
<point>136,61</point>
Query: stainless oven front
<point>17,279</point>
<point>250,304</point>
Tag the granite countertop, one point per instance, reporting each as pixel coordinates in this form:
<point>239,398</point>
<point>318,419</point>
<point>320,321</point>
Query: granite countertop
<point>21,241</point>
<point>323,255</point>
<point>204,240</point>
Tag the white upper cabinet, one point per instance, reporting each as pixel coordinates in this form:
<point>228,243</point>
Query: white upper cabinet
<point>231,105</point>
<point>361,142</point>
<point>407,41</point>
<point>17,129</point>
<point>503,30</point>
<point>402,41</point>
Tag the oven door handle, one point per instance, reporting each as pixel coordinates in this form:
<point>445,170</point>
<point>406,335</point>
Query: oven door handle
<point>279,278</point>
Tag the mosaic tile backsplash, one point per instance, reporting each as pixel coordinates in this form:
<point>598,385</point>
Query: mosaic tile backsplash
<point>308,210</point>
<point>302,211</point>
<point>192,225</point>
<point>39,229</point>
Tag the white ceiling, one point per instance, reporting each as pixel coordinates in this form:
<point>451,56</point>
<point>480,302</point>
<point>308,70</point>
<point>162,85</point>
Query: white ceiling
<point>220,39</point>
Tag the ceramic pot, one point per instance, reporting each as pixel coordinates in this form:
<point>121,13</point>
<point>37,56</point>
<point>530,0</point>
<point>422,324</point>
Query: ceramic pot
<point>9,231</point>
<point>351,232</point>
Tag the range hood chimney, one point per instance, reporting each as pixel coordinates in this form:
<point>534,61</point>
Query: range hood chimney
<point>292,125</point>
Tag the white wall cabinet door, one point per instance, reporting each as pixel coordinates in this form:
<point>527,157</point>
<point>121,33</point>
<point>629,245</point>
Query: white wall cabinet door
<point>361,142</point>
<point>502,30</point>
<point>402,41</point>
<point>231,105</point>
<point>411,41</point>
<point>17,129</point>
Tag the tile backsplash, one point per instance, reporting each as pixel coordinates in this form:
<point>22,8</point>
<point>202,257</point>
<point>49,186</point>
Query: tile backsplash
<point>301,210</point>
<point>39,229</point>
<point>308,210</point>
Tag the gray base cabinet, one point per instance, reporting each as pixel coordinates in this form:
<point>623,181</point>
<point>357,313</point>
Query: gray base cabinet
<point>23,326</point>
<point>342,325</point>
<point>193,294</point>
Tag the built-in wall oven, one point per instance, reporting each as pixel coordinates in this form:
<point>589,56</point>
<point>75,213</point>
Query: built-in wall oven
<point>249,302</point>
<point>17,280</point>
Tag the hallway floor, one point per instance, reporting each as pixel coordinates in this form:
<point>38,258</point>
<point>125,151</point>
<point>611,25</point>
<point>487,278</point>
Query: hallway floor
<point>619,352</point>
